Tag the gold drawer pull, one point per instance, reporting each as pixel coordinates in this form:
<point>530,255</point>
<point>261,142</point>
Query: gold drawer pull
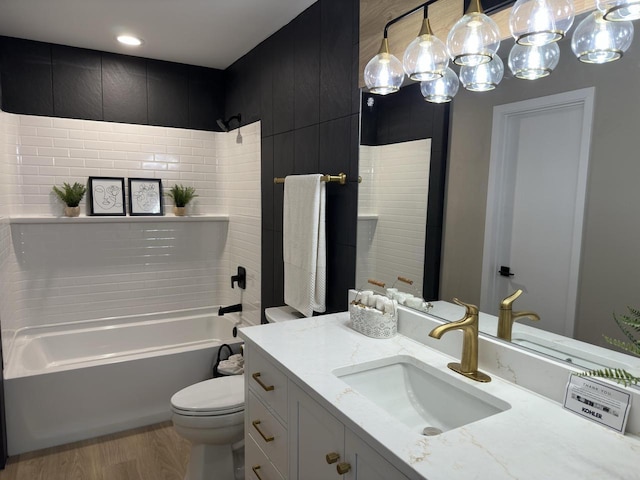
<point>255,469</point>
<point>343,468</point>
<point>332,457</point>
<point>267,388</point>
<point>255,424</point>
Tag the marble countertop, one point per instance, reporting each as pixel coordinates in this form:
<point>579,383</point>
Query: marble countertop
<point>534,439</point>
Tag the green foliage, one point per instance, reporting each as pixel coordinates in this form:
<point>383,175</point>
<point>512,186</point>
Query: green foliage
<point>181,195</point>
<point>629,325</point>
<point>71,195</point>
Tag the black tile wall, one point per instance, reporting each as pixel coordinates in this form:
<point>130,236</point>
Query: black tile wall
<point>55,80</point>
<point>168,94</point>
<point>27,80</point>
<point>77,83</point>
<point>308,97</point>
<point>307,68</point>
<point>124,88</point>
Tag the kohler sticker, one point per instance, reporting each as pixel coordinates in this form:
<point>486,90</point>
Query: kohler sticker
<point>597,401</point>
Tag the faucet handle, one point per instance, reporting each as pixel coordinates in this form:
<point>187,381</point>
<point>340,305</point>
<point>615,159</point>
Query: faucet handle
<point>506,302</point>
<point>471,309</point>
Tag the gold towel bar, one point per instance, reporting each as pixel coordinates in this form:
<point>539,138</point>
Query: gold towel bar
<point>341,178</point>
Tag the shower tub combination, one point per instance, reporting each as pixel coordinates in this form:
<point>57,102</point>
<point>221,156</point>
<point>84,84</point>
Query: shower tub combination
<point>80,380</point>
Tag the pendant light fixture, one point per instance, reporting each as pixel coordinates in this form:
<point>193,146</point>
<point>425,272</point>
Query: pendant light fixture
<point>384,74</point>
<point>441,90</point>
<point>426,57</point>
<point>596,40</point>
<point>484,77</point>
<point>474,39</point>
<point>538,22</point>
<point>533,62</point>
<point>619,10</point>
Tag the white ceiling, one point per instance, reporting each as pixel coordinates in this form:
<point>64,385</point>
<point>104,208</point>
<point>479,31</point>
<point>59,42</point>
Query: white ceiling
<point>211,33</point>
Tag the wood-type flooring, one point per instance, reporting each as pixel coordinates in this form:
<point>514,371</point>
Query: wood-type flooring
<point>148,453</point>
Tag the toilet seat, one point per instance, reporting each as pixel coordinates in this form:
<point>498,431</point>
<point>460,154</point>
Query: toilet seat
<point>213,397</point>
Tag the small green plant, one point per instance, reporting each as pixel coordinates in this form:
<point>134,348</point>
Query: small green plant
<point>629,324</point>
<point>181,195</point>
<point>71,195</point>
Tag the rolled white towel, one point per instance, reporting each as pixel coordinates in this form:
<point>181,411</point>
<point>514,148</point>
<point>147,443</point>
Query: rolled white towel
<point>373,299</point>
<point>381,302</point>
<point>415,302</point>
<point>364,296</point>
<point>391,292</point>
<point>390,307</point>
<point>227,367</point>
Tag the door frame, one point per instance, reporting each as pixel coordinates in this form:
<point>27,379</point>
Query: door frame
<point>496,203</point>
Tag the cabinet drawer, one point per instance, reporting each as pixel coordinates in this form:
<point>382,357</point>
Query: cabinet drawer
<point>257,465</point>
<point>267,432</point>
<point>269,383</point>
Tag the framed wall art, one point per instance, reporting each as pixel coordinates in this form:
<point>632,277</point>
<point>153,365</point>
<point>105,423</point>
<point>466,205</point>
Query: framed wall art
<point>106,196</point>
<point>145,196</point>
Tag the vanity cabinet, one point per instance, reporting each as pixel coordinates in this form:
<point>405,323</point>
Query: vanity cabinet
<point>288,435</point>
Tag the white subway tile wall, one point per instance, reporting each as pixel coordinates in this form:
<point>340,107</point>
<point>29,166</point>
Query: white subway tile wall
<point>67,272</point>
<point>395,187</point>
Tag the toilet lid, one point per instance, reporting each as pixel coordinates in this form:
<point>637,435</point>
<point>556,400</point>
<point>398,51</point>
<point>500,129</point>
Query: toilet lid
<point>217,396</point>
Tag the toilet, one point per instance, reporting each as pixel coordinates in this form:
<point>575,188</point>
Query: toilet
<point>282,314</point>
<point>210,415</point>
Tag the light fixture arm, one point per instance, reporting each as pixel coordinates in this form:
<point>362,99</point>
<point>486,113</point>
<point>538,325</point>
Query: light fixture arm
<point>423,6</point>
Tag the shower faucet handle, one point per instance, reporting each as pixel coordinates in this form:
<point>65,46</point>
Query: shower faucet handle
<point>240,278</point>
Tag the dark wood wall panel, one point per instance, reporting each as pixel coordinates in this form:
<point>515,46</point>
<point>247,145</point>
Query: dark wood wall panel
<point>55,80</point>
<point>308,97</point>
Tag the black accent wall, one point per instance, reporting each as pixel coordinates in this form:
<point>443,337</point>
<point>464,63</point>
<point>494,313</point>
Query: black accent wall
<point>403,117</point>
<point>59,81</point>
<point>302,83</point>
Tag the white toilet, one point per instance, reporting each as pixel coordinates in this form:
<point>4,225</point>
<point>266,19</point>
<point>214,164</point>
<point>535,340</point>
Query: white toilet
<point>210,415</point>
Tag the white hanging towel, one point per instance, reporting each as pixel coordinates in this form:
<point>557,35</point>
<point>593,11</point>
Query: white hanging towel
<point>303,244</point>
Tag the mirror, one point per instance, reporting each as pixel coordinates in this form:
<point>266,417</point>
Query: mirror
<point>609,261</point>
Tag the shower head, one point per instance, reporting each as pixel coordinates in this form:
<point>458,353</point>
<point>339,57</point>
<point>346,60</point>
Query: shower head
<point>225,125</point>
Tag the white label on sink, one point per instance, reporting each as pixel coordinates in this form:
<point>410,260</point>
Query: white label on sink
<point>597,401</point>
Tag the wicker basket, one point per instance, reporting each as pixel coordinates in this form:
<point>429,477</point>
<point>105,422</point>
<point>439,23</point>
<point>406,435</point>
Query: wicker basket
<point>373,323</point>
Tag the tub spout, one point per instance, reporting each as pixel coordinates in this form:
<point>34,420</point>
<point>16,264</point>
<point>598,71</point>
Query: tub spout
<point>231,308</point>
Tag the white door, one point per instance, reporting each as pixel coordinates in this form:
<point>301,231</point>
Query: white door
<point>535,206</point>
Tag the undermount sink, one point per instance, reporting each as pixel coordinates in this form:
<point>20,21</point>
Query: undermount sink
<point>421,397</point>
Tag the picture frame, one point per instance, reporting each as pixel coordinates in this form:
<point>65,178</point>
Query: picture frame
<point>106,196</point>
<point>145,197</point>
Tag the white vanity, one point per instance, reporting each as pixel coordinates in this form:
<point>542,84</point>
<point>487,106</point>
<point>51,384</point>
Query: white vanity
<point>322,403</point>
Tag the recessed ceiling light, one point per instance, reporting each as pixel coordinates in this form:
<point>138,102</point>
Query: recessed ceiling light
<point>129,40</point>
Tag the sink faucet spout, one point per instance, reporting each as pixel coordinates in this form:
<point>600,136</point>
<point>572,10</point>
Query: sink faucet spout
<point>506,316</point>
<point>468,365</point>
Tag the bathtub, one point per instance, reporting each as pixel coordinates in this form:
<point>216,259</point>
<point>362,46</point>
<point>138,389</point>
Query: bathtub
<point>65,383</point>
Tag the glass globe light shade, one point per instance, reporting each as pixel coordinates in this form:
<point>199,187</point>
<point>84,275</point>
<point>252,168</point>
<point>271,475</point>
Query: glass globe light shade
<point>538,22</point>
<point>619,10</point>
<point>473,40</point>
<point>426,57</point>
<point>441,90</point>
<point>484,77</point>
<point>384,73</point>
<point>596,40</point>
<point>533,62</point>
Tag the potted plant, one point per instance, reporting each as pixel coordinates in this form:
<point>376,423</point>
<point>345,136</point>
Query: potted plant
<point>71,195</point>
<point>181,196</point>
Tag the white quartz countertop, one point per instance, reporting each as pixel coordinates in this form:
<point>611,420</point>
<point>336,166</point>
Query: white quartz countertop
<point>534,439</point>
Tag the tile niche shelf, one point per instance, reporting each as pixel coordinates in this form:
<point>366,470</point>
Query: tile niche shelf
<point>43,219</point>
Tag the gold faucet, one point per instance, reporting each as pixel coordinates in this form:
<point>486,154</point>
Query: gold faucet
<point>469,326</point>
<point>506,316</point>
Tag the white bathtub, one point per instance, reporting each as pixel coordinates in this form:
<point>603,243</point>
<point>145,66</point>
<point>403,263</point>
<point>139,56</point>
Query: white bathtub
<point>70,382</point>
